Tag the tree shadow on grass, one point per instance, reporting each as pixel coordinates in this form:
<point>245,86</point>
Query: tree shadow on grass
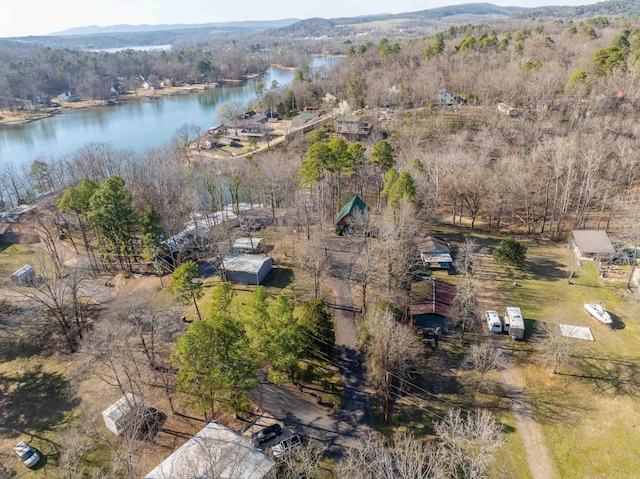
<point>608,376</point>
<point>545,269</point>
<point>33,400</point>
<point>545,405</point>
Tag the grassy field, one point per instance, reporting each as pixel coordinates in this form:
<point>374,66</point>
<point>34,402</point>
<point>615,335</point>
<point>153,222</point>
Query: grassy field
<point>376,24</point>
<point>593,402</point>
<point>14,256</point>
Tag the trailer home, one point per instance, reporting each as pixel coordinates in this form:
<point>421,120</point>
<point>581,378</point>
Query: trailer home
<point>514,323</point>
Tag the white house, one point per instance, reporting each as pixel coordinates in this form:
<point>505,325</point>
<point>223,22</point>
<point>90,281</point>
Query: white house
<point>447,97</point>
<point>435,253</point>
<point>214,452</point>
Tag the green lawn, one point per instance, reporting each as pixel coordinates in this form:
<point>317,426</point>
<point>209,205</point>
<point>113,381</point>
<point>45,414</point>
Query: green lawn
<point>587,409</point>
<point>14,256</point>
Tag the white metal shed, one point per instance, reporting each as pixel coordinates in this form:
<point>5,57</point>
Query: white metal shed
<point>119,413</point>
<point>24,276</point>
<point>216,452</point>
<point>247,268</point>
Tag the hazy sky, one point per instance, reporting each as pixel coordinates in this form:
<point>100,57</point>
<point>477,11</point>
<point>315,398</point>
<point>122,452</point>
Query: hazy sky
<point>40,17</point>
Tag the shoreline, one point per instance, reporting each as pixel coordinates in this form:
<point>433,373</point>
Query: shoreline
<point>23,118</point>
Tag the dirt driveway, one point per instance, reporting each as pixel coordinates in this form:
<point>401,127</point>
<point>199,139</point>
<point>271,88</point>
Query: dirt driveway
<point>541,465</point>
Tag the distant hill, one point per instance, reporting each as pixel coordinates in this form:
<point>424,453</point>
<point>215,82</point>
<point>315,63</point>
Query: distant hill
<point>464,9</point>
<point>627,8</point>
<point>436,13</point>
<point>312,27</point>
<point>315,27</point>
<point>252,25</point>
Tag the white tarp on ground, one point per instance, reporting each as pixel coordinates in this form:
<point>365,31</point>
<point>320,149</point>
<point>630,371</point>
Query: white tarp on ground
<point>576,332</point>
<point>215,452</point>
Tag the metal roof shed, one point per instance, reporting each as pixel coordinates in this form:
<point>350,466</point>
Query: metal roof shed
<point>24,276</point>
<point>247,245</point>
<point>593,243</point>
<point>214,451</point>
<point>117,416</point>
<point>247,268</point>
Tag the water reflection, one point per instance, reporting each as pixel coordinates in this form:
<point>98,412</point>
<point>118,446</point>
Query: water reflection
<point>136,125</point>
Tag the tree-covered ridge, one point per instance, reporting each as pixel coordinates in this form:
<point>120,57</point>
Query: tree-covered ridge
<point>626,8</point>
<point>464,9</point>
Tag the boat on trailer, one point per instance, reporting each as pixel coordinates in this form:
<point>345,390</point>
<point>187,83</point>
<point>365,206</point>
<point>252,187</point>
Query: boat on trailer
<point>598,311</point>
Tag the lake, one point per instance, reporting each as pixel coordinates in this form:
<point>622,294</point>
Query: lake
<point>135,125</point>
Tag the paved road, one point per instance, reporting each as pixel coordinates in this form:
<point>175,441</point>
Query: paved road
<point>342,429</point>
<point>306,418</point>
<point>355,405</point>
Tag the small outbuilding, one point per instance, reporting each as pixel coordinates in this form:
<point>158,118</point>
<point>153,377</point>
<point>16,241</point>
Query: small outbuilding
<point>247,268</point>
<point>302,119</point>
<point>25,276</point>
<point>214,451</point>
<point>247,245</point>
<point>346,220</point>
<point>435,253</point>
<point>592,244</point>
<point>120,414</point>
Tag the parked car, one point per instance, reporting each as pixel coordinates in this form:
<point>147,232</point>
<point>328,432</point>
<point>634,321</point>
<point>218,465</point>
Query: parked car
<point>27,454</point>
<point>265,435</point>
<point>285,447</point>
<point>493,321</point>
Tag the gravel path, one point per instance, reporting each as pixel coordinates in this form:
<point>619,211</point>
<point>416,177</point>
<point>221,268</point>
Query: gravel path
<point>541,465</point>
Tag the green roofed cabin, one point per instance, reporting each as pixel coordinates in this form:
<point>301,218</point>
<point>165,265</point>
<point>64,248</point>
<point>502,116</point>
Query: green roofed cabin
<point>344,222</point>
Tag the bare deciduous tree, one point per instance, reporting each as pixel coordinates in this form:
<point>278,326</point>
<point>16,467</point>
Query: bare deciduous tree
<point>393,350</point>
<point>483,358</point>
<point>306,462</point>
<point>556,349</point>
<point>465,310</point>
<point>471,443</point>
<point>404,456</point>
<point>313,261</point>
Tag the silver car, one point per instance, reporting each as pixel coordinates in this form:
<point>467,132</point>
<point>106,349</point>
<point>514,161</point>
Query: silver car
<point>27,454</point>
<point>290,444</point>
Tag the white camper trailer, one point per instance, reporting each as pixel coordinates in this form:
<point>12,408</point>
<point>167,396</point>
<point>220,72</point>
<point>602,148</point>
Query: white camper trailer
<point>514,323</point>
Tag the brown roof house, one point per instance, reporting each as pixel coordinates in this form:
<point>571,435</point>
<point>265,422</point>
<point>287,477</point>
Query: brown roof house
<point>592,244</point>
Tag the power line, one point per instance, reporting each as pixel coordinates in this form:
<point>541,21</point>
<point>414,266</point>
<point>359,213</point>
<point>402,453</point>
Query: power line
<point>427,392</point>
<point>417,405</point>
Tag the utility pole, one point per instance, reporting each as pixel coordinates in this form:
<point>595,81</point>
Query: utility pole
<point>433,293</point>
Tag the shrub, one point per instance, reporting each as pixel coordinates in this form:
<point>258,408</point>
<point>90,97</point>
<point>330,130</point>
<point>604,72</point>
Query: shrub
<point>511,252</point>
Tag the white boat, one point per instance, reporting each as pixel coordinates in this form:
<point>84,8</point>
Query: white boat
<point>597,310</point>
